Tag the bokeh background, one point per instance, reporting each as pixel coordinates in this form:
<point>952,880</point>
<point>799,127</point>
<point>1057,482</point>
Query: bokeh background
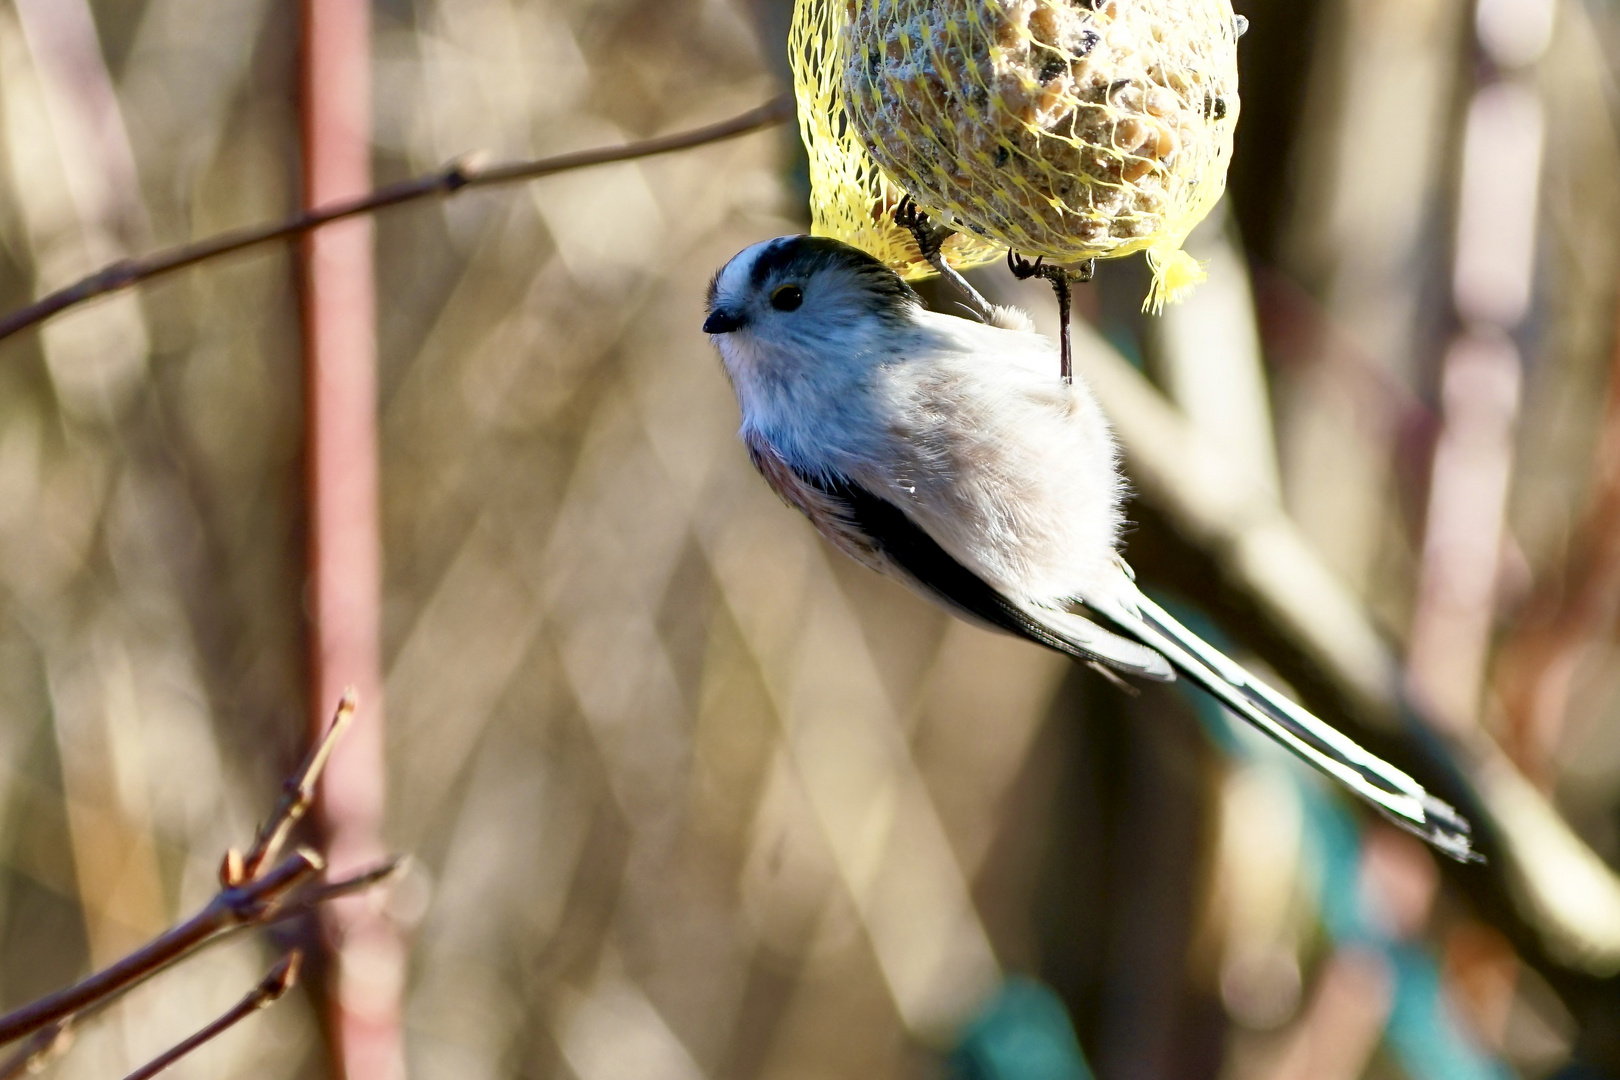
<point>691,796</point>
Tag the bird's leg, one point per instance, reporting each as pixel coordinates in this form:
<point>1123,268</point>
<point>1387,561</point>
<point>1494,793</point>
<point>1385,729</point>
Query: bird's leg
<point>929,242</point>
<point>1060,285</point>
<point>1060,279</point>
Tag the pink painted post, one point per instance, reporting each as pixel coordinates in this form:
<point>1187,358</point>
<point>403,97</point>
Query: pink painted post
<point>340,362</point>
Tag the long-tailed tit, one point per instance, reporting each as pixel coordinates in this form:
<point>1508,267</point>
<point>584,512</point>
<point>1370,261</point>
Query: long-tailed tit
<point>950,455</point>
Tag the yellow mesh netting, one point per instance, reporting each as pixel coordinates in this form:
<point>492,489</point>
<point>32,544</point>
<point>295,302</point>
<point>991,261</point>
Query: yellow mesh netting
<point>850,198</point>
<point>1072,129</point>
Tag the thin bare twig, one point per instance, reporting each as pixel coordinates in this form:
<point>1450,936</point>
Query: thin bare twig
<point>318,894</point>
<point>48,1041</point>
<point>252,903</point>
<point>456,176</point>
<point>249,896</point>
<point>271,988</point>
<point>297,795</point>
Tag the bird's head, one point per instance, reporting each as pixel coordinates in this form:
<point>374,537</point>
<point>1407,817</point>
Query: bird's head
<point>804,300</point>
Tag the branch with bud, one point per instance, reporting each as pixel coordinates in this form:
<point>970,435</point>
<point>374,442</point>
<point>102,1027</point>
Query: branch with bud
<point>259,888</point>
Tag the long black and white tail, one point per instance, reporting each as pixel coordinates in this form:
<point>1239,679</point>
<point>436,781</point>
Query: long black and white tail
<point>1396,795</point>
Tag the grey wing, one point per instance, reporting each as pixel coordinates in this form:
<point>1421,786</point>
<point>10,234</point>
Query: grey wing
<point>1399,797</point>
<point>911,551</point>
<point>876,532</point>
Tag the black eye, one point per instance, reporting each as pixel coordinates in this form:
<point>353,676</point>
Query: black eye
<point>787,298</point>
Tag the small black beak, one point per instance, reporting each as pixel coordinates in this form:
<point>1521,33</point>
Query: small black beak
<point>721,321</point>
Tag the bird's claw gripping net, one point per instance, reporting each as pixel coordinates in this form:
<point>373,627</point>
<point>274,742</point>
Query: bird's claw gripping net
<point>929,237</point>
